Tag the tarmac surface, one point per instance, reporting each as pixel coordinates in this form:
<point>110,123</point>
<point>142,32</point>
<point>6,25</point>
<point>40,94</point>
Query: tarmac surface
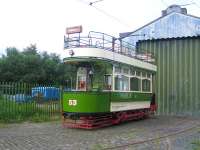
<point>155,133</point>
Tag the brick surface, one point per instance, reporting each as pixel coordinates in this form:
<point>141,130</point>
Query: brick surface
<point>52,136</point>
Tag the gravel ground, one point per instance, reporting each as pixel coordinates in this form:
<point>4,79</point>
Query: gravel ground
<point>165,133</point>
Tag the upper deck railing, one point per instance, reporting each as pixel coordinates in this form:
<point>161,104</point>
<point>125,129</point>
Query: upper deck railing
<point>106,42</point>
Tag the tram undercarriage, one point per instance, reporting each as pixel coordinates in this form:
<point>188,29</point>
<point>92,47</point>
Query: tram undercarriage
<point>95,121</point>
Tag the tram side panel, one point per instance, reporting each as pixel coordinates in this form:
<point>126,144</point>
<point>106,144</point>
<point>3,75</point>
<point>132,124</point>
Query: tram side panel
<point>104,102</point>
<point>86,102</point>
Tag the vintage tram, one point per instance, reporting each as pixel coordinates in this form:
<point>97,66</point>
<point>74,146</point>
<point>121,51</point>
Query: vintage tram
<point>110,82</point>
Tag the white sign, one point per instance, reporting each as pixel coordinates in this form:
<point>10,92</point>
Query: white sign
<point>72,102</point>
<point>121,106</point>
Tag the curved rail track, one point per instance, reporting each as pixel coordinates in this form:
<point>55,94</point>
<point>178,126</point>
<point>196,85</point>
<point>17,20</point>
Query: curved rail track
<point>160,132</point>
<point>194,124</point>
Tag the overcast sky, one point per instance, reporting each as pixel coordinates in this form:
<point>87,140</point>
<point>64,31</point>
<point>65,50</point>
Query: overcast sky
<point>43,22</point>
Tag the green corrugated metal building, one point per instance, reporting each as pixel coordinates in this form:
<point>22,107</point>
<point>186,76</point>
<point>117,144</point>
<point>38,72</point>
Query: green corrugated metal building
<point>178,75</point>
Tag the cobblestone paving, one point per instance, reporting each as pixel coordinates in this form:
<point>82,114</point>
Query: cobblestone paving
<point>128,136</point>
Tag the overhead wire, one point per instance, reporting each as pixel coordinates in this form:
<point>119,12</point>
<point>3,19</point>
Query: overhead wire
<point>192,2</point>
<point>111,16</point>
<point>91,3</point>
<point>187,4</point>
<point>104,12</point>
<point>197,5</point>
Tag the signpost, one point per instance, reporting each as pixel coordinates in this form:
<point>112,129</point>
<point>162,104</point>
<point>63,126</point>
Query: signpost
<point>72,38</point>
<point>74,29</point>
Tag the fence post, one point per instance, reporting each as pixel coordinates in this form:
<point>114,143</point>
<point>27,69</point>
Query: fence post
<point>61,101</point>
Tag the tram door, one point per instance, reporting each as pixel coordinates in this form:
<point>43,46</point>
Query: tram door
<point>81,79</point>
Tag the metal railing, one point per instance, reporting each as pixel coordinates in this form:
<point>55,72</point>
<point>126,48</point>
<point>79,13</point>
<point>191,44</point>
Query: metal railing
<point>106,42</point>
<point>22,101</point>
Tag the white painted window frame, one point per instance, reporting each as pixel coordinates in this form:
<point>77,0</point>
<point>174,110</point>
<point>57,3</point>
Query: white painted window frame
<point>130,76</point>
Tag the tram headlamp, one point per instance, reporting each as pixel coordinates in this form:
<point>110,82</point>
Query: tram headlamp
<point>91,72</point>
<point>71,52</point>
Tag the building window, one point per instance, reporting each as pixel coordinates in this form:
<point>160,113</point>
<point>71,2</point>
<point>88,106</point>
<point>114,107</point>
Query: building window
<point>135,84</point>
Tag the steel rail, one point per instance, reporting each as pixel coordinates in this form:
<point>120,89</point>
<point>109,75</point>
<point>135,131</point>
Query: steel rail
<point>153,139</point>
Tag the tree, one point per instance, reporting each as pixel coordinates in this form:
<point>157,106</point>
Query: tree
<point>32,67</point>
<point>30,50</point>
<point>11,65</point>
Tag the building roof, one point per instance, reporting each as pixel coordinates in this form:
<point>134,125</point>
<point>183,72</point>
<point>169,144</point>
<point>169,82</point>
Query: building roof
<point>126,34</point>
<point>172,38</point>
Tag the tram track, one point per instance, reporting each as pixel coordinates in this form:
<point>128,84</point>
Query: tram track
<point>165,136</point>
<point>161,132</point>
<point>141,129</point>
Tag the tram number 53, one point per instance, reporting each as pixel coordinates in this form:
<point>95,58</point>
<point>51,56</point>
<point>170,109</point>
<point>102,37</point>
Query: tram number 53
<point>72,102</point>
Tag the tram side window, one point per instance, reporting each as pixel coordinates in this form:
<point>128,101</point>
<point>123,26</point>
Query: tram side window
<point>144,74</point>
<point>125,70</point>
<point>117,70</point>
<point>135,84</point>
<point>121,83</point>
<point>148,75</point>
<point>125,80</point>
<point>108,82</point>
<point>138,73</point>
<point>146,85</point>
<point>132,72</point>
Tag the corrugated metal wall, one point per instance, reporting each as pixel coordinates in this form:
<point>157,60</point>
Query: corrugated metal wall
<point>178,75</point>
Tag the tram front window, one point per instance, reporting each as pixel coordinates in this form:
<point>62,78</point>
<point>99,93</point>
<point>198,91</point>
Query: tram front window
<point>81,83</point>
<point>108,82</point>
<point>81,79</point>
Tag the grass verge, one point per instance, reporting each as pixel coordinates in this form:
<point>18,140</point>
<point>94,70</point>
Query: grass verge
<point>12,112</point>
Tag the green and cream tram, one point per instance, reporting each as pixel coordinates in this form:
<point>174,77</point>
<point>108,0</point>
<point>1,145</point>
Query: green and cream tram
<point>110,83</point>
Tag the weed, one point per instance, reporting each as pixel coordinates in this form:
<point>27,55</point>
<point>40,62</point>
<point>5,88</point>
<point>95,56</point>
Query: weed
<point>196,145</point>
<point>97,147</point>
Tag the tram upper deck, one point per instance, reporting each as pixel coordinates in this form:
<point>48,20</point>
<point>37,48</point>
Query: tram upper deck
<point>106,42</point>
